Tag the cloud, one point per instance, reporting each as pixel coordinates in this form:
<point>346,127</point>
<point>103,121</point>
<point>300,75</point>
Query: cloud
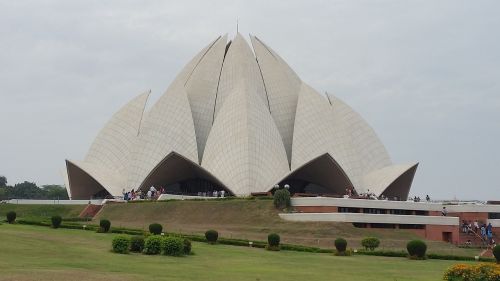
<point>424,74</point>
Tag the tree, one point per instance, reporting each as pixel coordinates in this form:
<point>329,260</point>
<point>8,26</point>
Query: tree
<point>25,190</point>
<point>3,181</point>
<point>55,191</point>
<point>3,193</point>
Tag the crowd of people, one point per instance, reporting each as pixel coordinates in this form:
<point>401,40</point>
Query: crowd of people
<point>417,198</point>
<point>481,229</point>
<point>152,193</point>
<point>215,193</point>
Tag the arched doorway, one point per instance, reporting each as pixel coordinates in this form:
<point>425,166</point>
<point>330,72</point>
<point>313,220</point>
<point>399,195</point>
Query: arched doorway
<point>321,176</point>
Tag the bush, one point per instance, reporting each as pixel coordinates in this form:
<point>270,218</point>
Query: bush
<point>340,245</point>
<point>370,243</point>
<point>155,228</point>
<point>281,199</point>
<point>212,236</point>
<point>187,246</point>
<point>136,243</point>
<point>104,225</point>
<point>152,245</point>
<point>56,221</point>
<point>172,246</point>
<point>345,253</point>
<point>473,272</point>
<point>416,249</point>
<point>385,253</point>
<point>273,242</point>
<point>11,217</point>
<point>496,253</point>
<point>120,244</point>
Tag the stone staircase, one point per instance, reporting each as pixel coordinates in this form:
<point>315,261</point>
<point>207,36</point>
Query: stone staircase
<point>475,239</point>
<point>90,211</point>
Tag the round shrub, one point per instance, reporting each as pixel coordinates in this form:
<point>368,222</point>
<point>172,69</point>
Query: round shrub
<point>340,245</point>
<point>416,249</point>
<point>155,228</point>
<point>136,244</point>
<point>187,246</point>
<point>281,199</point>
<point>120,244</point>
<point>172,246</point>
<point>273,242</point>
<point>370,243</point>
<point>11,217</point>
<point>152,245</point>
<point>56,221</point>
<point>104,225</point>
<point>496,253</point>
<point>212,236</point>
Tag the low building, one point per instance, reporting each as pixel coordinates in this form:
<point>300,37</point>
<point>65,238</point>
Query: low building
<point>423,218</point>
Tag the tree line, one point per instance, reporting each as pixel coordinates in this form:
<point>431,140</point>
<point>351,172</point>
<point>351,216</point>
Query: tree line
<point>29,190</point>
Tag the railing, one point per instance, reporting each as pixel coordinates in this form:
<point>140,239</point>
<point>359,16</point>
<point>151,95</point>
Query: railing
<point>53,202</point>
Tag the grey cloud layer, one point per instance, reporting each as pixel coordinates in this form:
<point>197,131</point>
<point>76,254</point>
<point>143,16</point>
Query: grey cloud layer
<point>425,75</point>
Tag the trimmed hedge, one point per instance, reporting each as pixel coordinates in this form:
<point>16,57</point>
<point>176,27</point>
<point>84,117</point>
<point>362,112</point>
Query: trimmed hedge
<point>187,246</point>
<point>281,199</point>
<point>212,236</point>
<point>370,243</point>
<point>73,219</point>
<point>256,244</point>
<point>120,244</point>
<point>104,225</point>
<point>152,245</point>
<point>273,242</point>
<point>340,245</point>
<point>136,243</point>
<point>56,221</point>
<point>172,246</point>
<point>155,228</point>
<point>397,254</point>
<point>457,258</point>
<point>11,217</point>
<point>416,249</point>
<point>496,253</point>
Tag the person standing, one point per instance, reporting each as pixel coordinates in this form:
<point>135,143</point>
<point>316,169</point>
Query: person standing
<point>444,212</point>
<point>483,232</point>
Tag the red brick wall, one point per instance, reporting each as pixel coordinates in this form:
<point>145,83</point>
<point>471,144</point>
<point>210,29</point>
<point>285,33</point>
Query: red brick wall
<point>481,217</point>
<point>435,232</point>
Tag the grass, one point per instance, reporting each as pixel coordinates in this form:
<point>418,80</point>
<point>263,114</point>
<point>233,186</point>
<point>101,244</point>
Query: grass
<point>239,218</point>
<point>41,253</point>
<point>255,219</point>
<point>41,211</point>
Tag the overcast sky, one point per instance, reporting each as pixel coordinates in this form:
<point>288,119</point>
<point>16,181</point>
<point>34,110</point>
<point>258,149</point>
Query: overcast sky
<point>424,74</point>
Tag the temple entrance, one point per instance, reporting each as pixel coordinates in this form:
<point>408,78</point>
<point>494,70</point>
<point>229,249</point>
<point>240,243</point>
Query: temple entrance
<point>321,176</point>
<point>178,175</point>
<point>193,187</point>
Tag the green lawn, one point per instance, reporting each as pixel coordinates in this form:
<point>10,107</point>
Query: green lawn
<point>41,211</point>
<point>42,253</point>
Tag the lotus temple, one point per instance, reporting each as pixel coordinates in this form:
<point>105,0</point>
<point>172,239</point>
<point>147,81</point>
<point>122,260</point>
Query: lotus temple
<point>237,118</point>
